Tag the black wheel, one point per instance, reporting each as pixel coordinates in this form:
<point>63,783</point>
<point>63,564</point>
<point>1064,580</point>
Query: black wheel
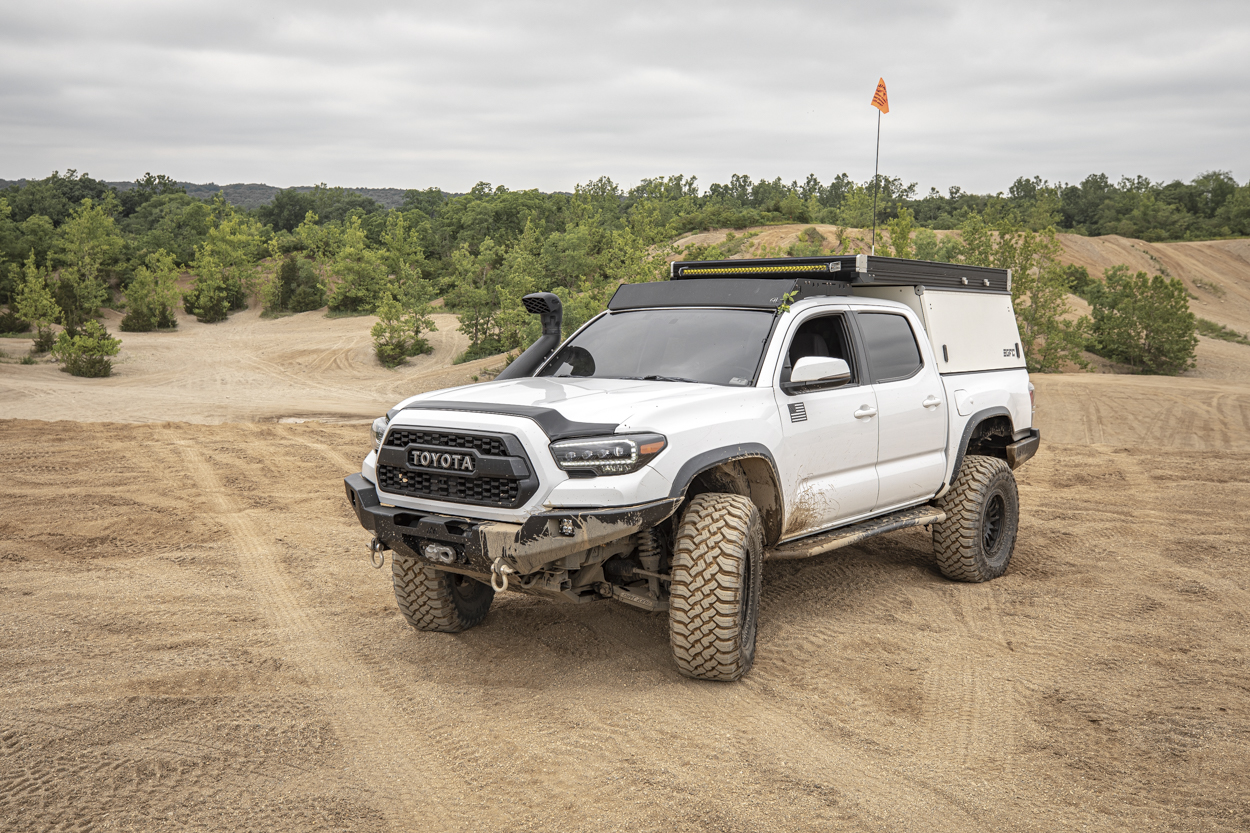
<point>436,600</point>
<point>976,540</point>
<point>715,601</point>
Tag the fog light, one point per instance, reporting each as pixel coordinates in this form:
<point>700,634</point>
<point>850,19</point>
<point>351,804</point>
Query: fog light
<point>566,527</point>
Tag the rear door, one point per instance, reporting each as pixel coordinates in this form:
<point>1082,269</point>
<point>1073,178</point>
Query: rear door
<point>828,458</point>
<point>911,441</point>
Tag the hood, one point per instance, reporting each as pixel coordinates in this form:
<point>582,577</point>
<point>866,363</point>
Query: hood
<point>584,406</point>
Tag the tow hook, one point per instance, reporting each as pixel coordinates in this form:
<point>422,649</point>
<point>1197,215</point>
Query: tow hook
<point>500,570</point>
<point>377,553</point>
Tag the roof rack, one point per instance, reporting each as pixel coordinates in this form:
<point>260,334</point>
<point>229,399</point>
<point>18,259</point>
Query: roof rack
<point>850,269</point>
<point>749,292</point>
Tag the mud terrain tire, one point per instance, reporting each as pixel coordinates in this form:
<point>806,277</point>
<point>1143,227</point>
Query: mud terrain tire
<point>436,600</point>
<point>976,540</point>
<point>715,602</point>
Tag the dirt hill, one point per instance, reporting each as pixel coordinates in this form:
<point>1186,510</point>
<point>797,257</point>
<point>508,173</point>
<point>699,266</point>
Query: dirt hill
<point>191,637</point>
<point>1216,272</point>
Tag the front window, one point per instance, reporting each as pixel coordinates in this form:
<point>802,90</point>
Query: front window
<point>719,347</point>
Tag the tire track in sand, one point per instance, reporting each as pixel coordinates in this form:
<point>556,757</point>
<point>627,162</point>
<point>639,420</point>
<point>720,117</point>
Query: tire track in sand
<point>970,694</point>
<point>366,717</point>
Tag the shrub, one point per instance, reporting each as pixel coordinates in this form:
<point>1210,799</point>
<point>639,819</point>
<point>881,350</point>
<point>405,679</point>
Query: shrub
<point>1143,321</point>
<point>396,336</point>
<point>137,320</point>
<point>1212,330</point>
<point>11,323</point>
<point>209,300</point>
<point>87,354</point>
<point>1078,280</point>
<point>294,287</point>
<point>151,295</point>
<point>44,341</point>
<point>210,294</point>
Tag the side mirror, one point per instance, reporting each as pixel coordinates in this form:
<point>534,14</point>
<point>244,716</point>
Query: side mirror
<point>821,370</point>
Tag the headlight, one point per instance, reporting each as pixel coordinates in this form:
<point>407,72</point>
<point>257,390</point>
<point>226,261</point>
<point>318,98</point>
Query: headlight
<point>608,455</point>
<point>379,432</point>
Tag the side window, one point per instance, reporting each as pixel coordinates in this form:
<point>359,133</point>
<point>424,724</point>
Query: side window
<point>824,335</point>
<point>892,350</point>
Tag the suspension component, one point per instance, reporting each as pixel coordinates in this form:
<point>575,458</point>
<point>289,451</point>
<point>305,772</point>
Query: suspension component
<point>649,556</point>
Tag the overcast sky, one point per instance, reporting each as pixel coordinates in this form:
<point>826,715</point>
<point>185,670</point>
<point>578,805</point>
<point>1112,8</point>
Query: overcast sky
<point>548,94</point>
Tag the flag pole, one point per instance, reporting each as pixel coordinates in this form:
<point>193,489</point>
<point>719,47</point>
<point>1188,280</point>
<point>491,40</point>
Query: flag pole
<point>876,167</point>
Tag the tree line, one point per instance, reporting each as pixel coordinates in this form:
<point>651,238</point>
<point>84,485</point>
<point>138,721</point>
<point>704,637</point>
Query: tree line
<point>83,241</point>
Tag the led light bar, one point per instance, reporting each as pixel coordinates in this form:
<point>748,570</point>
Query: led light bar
<point>757,270</point>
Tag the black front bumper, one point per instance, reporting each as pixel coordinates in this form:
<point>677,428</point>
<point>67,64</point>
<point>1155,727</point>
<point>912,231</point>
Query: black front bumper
<point>476,544</point>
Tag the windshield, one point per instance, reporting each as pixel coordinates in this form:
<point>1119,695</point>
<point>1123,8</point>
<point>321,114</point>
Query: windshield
<point>721,347</point>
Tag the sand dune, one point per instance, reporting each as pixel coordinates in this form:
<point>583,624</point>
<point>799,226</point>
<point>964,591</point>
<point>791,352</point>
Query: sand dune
<point>191,637</point>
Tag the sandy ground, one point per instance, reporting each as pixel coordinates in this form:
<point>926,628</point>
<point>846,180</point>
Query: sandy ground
<point>247,368</point>
<point>193,640</point>
<point>191,637</point>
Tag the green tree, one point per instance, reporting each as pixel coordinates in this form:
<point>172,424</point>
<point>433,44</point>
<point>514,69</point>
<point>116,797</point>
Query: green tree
<point>361,271</point>
<point>514,328</point>
<point>34,303</point>
<point>1143,321</point>
<point>927,245</point>
<point>152,294</point>
<point>856,208</point>
<point>321,242</point>
<point>208,299</point>
<point>174,222</point>
<point>88,353</point>
<point>898,234</point>
<point>474,295</point>
<point>402,253</point>
<point>235,246</point>
<point>392,337</point>
<point>1235,211</point>
<point>1039,289</point>
<point>38,236</point>
<point>569,257</point>
<point>397,333</point>
<point>793,207</point>
<point>294,288</point>
<point>87,247</point>
<point>11,252</point>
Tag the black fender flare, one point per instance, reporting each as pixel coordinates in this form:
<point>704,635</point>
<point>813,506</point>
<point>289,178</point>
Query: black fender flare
<point>700,463</point>
<point>973,421</point>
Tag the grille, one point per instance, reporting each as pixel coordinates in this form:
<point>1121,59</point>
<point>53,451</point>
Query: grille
<point>486,446</point>
<point>492,491</point>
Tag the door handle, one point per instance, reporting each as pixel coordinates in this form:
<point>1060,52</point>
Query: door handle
<point>931,402</point>
<point>865,411</point>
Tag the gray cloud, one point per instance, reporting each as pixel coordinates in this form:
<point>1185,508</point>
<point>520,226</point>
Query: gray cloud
<point>547,94</point>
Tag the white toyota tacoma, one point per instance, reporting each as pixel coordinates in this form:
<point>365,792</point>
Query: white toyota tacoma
<point>741,411</point>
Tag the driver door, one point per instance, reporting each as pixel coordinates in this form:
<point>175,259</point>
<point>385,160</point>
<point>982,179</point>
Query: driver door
<point>828,459</point>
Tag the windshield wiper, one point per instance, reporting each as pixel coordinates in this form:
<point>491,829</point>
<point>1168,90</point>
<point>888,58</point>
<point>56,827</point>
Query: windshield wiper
<point>670,379</point>
<point>654,378</point>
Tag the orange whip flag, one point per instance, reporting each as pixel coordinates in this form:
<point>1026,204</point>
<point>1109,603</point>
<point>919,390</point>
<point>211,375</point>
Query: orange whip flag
<point>882,104</point>
<point>879,99</point>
